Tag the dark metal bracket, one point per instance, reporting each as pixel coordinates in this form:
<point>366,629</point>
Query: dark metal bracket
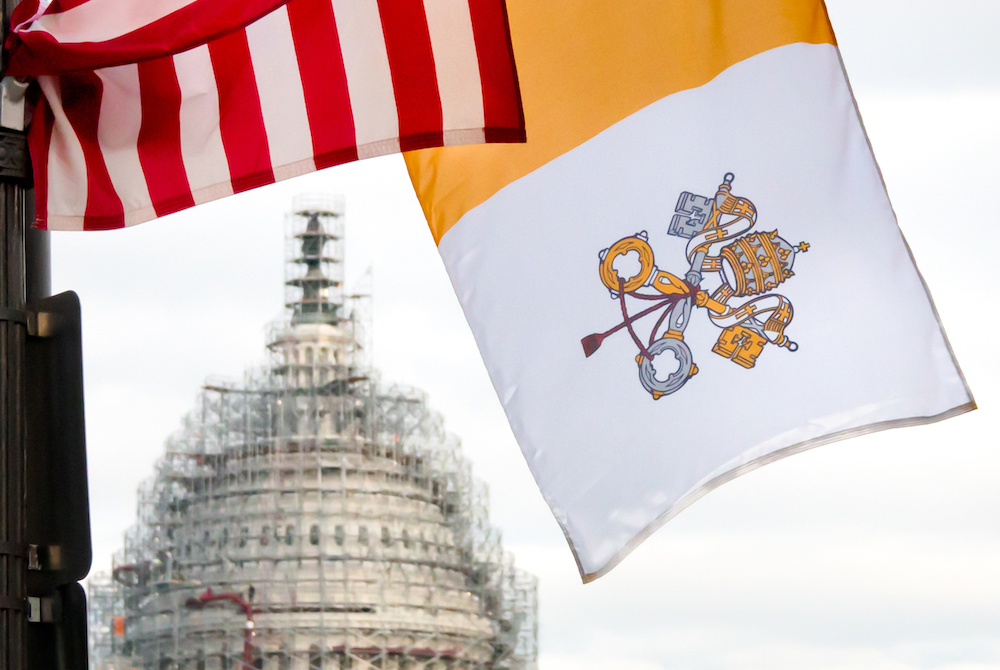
<point>14,164</point>
<point>13,549</point>
<point>15,604</point>
<point>15,315</point>
<point>40,324</point>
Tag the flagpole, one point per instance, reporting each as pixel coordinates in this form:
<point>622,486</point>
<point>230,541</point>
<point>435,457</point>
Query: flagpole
<point>24,277</point>
<point>13,332</point>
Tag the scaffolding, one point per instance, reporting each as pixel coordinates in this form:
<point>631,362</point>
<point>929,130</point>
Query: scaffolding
<point>312,517</point>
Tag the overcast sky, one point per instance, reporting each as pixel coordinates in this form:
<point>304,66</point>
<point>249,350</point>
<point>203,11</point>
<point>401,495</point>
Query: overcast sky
<point>878,553</point>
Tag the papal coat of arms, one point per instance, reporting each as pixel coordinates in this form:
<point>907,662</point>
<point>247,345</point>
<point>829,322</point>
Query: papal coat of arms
<point>747,265</point>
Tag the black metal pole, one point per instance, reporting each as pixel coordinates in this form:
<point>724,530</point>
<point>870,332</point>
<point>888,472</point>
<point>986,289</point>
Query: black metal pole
<point>15,261</point>
<point>13,332</point>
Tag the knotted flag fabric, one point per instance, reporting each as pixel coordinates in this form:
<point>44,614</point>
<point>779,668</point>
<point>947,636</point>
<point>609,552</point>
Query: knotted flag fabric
<point>692,268</point>
<point>148,108</point>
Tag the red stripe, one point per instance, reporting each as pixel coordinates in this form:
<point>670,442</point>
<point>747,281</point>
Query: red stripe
<point>39,141</point>
<point>414,77</point>
<point>501,95</point>
<point>160,137</point>
<point>37,52</point>
<point>324,81</point>
<point>81,98</point>
<point>241,121</point>
<point>24,11</point>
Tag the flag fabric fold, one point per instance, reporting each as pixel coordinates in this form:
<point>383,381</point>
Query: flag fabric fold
<point>691,269</point>
<point>62,37</point>
<point>143,110</point>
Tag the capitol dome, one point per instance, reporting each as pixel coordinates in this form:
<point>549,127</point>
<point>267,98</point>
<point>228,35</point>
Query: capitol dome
<point>311,517</point>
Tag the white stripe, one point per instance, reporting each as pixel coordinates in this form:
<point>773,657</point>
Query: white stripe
<point>201,138</point>
<point>279,86</point>
<point>100,20</point>
<point>456,62</point>
<point>118,137</point>
<point>67,167</point>
<point>454,138</point>
<point>369,80</point>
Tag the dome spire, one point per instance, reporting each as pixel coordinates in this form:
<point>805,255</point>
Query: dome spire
<point>315,260</point>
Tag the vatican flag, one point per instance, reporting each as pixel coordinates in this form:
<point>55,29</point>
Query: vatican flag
<point>692,267</point>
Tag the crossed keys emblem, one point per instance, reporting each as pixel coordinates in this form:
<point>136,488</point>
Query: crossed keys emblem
<point>728,262</point>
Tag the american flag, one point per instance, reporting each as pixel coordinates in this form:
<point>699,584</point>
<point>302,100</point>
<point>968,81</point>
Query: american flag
<point>146,108</point>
